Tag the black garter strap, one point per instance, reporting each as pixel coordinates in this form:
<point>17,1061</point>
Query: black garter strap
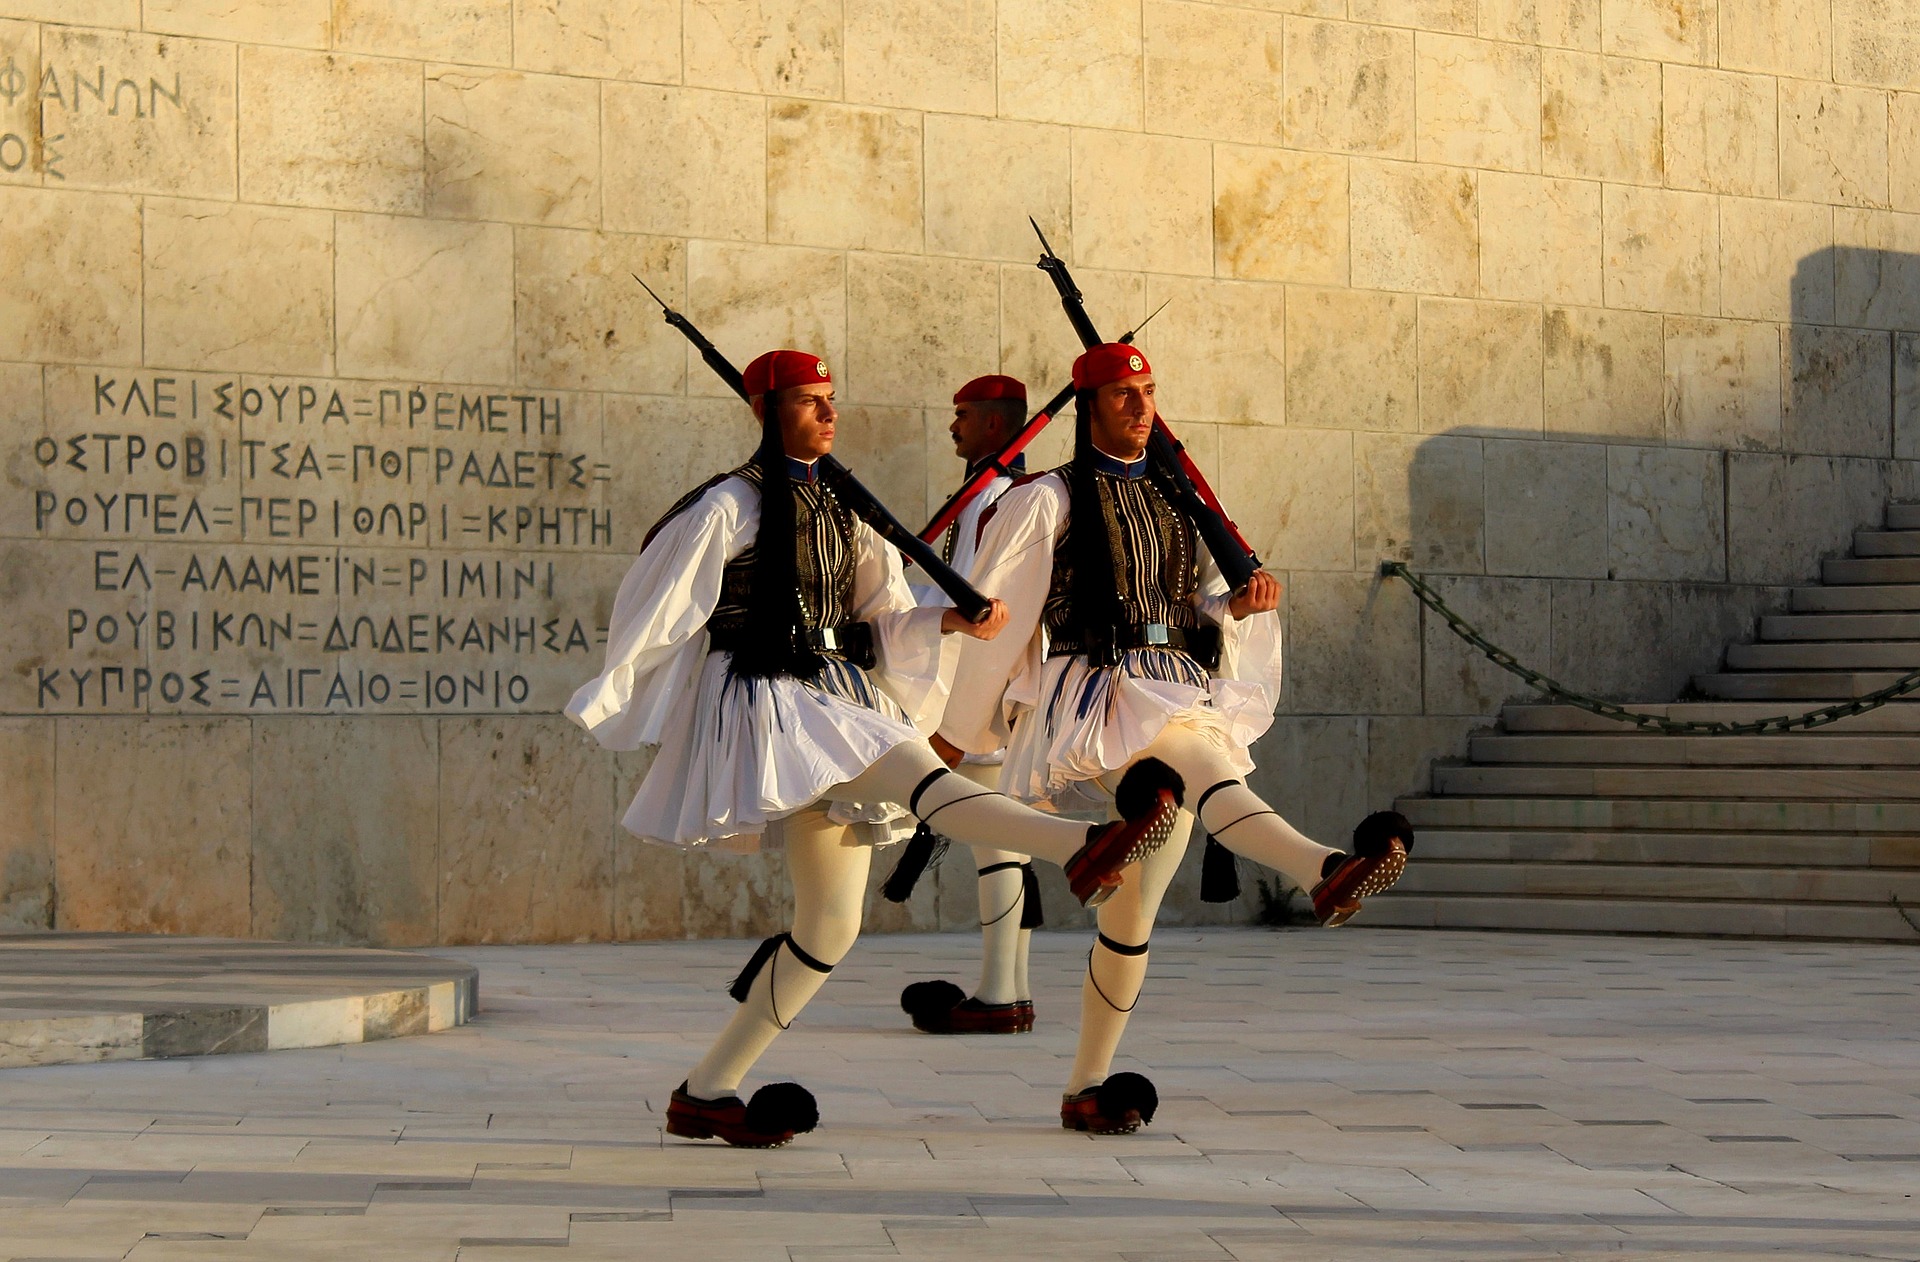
<point>1019,898</point>
<point>743,984</point>
<point>1031,916</point>
<point>1201,805</point>
<point>1243,819</point>
<point>1118,948</point>
<point>769,951</point>
<point>926,782</point>
<point>803,957</point>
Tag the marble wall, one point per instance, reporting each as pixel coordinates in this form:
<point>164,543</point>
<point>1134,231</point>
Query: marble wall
<point>316,331</point>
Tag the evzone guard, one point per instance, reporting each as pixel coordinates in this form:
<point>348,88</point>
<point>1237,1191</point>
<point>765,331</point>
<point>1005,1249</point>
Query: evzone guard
<point>1124,644</point>
<point>765,641</point>
<point>987,413</point>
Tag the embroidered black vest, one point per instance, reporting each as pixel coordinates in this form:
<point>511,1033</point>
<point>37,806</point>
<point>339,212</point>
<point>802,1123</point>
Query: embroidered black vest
<point>823,562</point>
<point>1156,563</point>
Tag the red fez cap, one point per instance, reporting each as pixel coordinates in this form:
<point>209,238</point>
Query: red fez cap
<point>994,386</point>
<point>1107,363</point>
<point>777,370</point>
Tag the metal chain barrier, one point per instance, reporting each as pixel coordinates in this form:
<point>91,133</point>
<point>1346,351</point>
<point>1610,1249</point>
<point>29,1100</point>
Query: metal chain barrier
<point>1908,683</point>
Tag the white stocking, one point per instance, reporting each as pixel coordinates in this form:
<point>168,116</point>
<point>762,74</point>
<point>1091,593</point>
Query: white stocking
<point>829,872</point>
<point>1003,943</point>
<point>957,808</point>
<point>1235,814</point>
<point>1112,987</point>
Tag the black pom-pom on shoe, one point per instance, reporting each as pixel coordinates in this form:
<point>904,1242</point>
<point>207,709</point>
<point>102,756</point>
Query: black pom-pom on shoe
<point>925,1000</point>
<point>783,1107</point>
<point>1374,833</point>
<point>1139,789</point>
<point>1128,1093</point>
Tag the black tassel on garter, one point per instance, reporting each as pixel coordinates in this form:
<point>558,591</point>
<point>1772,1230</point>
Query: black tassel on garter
<point>1219,874</point>
<point>743,984</point>
<point>1031,916</point>
<point>924,849</point>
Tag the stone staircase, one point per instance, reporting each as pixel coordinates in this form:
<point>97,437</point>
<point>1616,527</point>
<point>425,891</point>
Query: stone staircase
<point>1564,820</point>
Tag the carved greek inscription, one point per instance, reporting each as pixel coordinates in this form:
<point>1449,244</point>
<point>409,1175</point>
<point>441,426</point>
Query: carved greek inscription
<point>200,544</point>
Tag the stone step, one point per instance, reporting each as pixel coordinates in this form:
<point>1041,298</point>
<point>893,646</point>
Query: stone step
<point>1830,816</point>
<point>1679,916</point>
<point>1813,849</point>
<point>1653,881</point>
<point>1808,685</point>
<point>1903,517</point>
<point>1897,716</point>
<point>1860,599</point>
<point>1791,627</point>
<point>1797,749</point>
<point>1896,655</point>
<point>1871,570</point>
<point>1822,783</point>
<point>1886,543</point>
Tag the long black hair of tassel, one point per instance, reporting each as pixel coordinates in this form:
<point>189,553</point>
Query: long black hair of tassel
<point>922,851</point>
<point>1090,545</point>
<point>775,600</point>
<point>1219,873</point>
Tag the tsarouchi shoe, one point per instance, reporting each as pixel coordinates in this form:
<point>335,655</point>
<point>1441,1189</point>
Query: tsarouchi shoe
<point>777,1112</point>
<point>1119,1106</point>
<point>1149,798</point>
<point>968,1016</point>
<point>1380,846</point>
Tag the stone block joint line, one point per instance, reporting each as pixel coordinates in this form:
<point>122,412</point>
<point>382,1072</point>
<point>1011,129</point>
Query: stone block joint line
<point>1907,683</point>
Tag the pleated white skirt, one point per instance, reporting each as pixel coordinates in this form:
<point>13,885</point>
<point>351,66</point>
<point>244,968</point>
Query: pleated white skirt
<point>1092,720</point>
<point>755,750</point>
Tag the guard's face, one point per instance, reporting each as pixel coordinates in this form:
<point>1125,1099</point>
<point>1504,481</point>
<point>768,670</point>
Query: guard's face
<point>978,431</point>
<point>1123,416</point>
<point>806,417</point>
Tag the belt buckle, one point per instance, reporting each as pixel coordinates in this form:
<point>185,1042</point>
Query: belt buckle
<point>828,640</point>
<point>1155,633</point>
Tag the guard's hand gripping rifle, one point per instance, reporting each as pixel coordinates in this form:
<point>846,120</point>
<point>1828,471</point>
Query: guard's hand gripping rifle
<point>1231,552</point>
<point>971,604</point>
<point>983,476</point>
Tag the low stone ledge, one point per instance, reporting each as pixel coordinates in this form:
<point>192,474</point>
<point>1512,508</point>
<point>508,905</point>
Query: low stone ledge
<point>69,998</point>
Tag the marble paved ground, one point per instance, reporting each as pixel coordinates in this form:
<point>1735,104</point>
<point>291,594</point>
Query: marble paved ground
<point>1367,1094</point>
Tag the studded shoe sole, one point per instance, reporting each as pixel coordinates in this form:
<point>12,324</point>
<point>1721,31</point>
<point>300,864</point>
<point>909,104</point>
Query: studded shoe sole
<point>1336,899</point>
<point>1093,872</point>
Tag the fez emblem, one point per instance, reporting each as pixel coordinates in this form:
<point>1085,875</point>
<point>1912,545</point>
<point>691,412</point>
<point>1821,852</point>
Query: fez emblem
<point>820,366</point>
<point>1135,362</point>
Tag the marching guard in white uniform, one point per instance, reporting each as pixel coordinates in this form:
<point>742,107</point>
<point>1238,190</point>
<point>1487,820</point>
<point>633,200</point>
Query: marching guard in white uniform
<point>1124,645</point>
<point>785,688</point>
<point>987,412</point>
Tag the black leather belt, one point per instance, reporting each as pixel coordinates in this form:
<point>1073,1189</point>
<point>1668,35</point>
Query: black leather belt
<point>850,640</point>
<point>1202,644</point>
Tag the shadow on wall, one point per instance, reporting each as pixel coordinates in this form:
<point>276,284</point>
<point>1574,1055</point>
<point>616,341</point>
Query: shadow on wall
<point>1688,472</point>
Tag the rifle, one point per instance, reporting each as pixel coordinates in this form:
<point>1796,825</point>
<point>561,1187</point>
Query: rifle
<point>1191,494</point>
<point>971,604</point>
<point>984,475</point>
